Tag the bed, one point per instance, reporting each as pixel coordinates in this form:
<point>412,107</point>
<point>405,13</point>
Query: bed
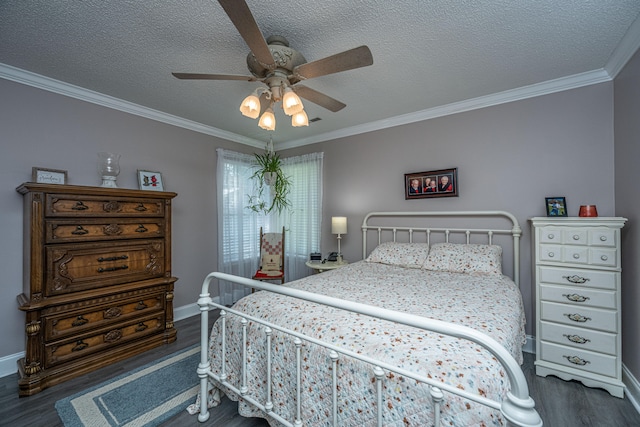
<point>425,330</point>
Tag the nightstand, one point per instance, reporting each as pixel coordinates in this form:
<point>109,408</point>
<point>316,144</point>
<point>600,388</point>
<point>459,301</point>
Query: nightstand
<point>319,267</point>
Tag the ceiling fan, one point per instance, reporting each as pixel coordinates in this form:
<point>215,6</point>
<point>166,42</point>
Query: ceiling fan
<point>281,69</point>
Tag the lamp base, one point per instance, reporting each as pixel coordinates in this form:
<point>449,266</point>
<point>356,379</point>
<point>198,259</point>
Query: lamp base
<point>109,182</point>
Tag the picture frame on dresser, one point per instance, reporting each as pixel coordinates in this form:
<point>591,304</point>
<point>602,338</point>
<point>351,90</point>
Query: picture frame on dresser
<point>149,180</point>
<point>556,206</point>
<point>48,176</point>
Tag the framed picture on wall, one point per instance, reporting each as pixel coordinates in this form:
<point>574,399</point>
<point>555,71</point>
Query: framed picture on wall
<point>148,180</point>
<point>438,183</point>
<point>556,206</point>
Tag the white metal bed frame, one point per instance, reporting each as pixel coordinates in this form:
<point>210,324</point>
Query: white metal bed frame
<point>518,408</point>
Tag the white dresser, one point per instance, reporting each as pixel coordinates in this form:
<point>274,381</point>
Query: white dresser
<point>577,277</point>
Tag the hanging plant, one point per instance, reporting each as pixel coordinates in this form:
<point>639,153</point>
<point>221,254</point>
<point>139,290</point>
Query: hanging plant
<point>272,185</point>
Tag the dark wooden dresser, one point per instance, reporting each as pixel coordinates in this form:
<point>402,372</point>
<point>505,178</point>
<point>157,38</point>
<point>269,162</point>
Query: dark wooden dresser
<point>97,279</point>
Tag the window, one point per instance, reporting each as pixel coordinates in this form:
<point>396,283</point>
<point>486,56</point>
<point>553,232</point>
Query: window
<point>239,228</point>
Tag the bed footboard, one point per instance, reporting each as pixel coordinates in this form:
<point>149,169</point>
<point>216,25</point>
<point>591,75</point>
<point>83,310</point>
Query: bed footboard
<point>518,408</point>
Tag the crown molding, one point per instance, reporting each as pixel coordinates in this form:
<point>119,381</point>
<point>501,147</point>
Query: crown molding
<point>544,88</point>
<point>56,86</point>
<point>627,47</point>
<point>531,91</point>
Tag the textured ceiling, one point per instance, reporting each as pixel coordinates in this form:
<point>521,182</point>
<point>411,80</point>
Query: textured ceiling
<point>428,55</point>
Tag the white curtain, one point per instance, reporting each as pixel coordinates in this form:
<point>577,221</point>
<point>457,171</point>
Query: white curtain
<point>239,227</point>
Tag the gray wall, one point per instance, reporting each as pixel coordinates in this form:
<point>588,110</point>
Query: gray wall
<point>627,156</point>
<point>508,157</point>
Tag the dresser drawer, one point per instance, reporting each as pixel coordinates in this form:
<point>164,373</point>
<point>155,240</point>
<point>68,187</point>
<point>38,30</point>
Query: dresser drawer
<point>583,360</point>
<point>78,267</point>
<point>66,205</point>
<point>602,236</point>
<point>71,323</point>
<point>585,317</point>
<point>82,345</point>
<point>585,339</point>
<point>580,297</point>
<point>83,230</point>
<point>578,277</point>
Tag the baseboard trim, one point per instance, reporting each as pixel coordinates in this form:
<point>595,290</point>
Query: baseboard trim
<point>632,392</point>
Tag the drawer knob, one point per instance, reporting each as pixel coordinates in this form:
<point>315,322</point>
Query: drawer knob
<point>79,321</point>
<point>576,339</point>
<point>576,279</point>
<point>576,360</point>
<point>80,345</point>
<point>575,297</point>
<point>79,231</point>
<point>551,254</point>
<point>550,236</point>
<point>603,238</point>
<point>604,257</point>
<point>577,317</point>
<point>576,256</point>
<point>576,237</point>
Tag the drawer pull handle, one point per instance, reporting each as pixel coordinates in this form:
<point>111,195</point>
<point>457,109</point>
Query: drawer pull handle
<point>106,270</point>
<point>575,297</point>
<point>577,317</point>
<point>79,321</point>
<point>112,258</point>
<point>79,206</point>
<point>576,237</point>
<point>79,231</point>
<point>576,339</point>
<point>576,279</point>
<point>576,360</point>
<point>141,327</point>
<point>141,306</point>
<point>604,257</point>
<point>80,345</point>
<point>576,256</point>
<point>140,207</point>
<point>141,229</point>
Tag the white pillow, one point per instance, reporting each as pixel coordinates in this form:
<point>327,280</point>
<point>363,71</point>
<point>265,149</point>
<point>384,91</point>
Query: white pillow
<point>409,255</point>
<point>465,258</point>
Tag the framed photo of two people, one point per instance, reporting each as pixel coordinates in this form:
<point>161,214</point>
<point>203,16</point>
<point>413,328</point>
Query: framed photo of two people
<point>439,183</point>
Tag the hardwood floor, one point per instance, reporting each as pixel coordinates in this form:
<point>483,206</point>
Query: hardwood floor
<point>560,403</point>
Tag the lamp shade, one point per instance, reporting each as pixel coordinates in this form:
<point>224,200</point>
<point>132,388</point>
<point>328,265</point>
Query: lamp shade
<point>268,120</point>
<point>339,225</point>
<point>300,119</point>
<point>291,103</point>
<point>250,107</point>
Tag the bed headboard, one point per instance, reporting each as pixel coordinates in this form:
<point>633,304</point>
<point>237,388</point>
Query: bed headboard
<point>432,227</point>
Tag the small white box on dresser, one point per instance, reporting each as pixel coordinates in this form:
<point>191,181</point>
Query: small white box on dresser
<point>577,277</point>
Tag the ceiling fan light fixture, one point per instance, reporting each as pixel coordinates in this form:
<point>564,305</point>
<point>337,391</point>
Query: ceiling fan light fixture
<point>300,119</point>
<point>291,103</point>
<point>250,107</point>
<point>268,120</point>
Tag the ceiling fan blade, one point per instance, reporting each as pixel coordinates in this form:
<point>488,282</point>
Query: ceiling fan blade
<point>318,98</point>
<point>196,76</point>
<point>347,60</point>
<point>241,16</point>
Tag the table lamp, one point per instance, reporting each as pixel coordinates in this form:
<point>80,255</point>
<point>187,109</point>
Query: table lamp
<point>339,226</point>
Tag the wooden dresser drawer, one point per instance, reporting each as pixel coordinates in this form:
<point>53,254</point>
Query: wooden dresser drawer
<point>585,317</point>
<point>580,297</point>
<point>77,267</point>
<point>578,277</point>
<point>584,360</point>
<point>83,230</point>
<point>91,342</point>
<point>585,339</point>
<point>65,205</point>
<point>74,322</point>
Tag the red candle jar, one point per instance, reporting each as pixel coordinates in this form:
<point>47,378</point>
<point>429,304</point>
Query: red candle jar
<point>588,211</point>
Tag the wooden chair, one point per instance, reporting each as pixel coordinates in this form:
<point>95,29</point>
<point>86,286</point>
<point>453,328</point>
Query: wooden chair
<point>271,257</point>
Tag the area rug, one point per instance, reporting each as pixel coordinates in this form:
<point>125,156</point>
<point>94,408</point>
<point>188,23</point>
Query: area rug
<point>144,397</point>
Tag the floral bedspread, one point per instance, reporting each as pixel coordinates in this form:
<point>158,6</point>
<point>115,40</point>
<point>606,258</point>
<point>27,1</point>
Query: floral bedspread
<point>488,303</point>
